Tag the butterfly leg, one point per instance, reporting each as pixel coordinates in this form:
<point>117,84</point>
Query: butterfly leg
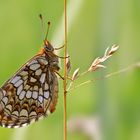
<point>69,78</point>
<point>61,56</point>
<point>59,75</point>
<point>59,48</point>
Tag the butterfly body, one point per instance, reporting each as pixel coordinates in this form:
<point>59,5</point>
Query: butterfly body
<point>32,92</point>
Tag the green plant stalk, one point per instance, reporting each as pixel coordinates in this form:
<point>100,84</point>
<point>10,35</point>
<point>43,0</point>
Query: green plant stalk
<point>65,71</point>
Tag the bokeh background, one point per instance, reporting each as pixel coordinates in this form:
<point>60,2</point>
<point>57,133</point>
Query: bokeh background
<point>108,109</point>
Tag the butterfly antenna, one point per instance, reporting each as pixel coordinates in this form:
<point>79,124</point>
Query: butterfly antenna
<point>43,29</point>
<point>42,25</point>
<point>49,23</point>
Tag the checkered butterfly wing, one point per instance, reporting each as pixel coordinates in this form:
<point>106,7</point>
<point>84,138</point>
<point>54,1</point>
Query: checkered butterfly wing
<point>30,94</point>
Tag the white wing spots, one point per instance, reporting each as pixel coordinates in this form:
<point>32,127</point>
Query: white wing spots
<point>31,89</point>
<point>19,89</point>
<point>41,117</point>
<point>9,126</point>
<point>17,84</point>
<point>32,62</point>
<point>25,77</point>
<point>43,61</point>
<point>38,72</point>
<point>25,124</point>
<point>36,88</point>
<point>16,126</point>
<point>5,100</point>
<point>40,98</point>
<point>42,78</point>
<point>25,83</point>
<point>34,66</point>
<point>26,87</point>
<point>46,86</point>
<point>28,94</point>
<point>32,121</point>
<point>3,125</point>
<point>32,80</point>
<point>33,113</point>
<point>4,92</point>
<point>23,112</point>
<point>16,113</point>
<point>15,79</point>
<point>9,107</point>
<point>48,112</point>
<point>40,91</point>
<point>23,73</point>
<point>2,105</point>
<point>1,94</point>
<point>35,95</point>
<point>22,94</point>
<point>46,94</point>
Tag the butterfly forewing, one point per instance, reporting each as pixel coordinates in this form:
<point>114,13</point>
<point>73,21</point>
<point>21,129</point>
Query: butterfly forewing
<point>30,94</point>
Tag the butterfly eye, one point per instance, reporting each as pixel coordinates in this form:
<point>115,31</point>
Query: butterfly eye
<point>49,48</point>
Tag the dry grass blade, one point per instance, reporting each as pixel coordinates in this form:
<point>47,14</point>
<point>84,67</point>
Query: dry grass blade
<point>75,74</point>
<point>114,48</point>
<point>96,64</point>
<point>68,64</point>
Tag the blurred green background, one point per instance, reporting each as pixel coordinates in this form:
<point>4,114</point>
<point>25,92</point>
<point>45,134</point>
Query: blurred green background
<point>113,104</point>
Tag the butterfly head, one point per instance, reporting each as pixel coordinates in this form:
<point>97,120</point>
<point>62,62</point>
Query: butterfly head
<point>48,47</point>
<point>53,61</point>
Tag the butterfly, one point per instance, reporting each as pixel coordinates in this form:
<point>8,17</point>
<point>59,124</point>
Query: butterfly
<point>32,92</point>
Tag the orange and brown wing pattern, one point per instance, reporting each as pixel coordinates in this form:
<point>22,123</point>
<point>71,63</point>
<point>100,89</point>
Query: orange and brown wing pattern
<point>30,94</point>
